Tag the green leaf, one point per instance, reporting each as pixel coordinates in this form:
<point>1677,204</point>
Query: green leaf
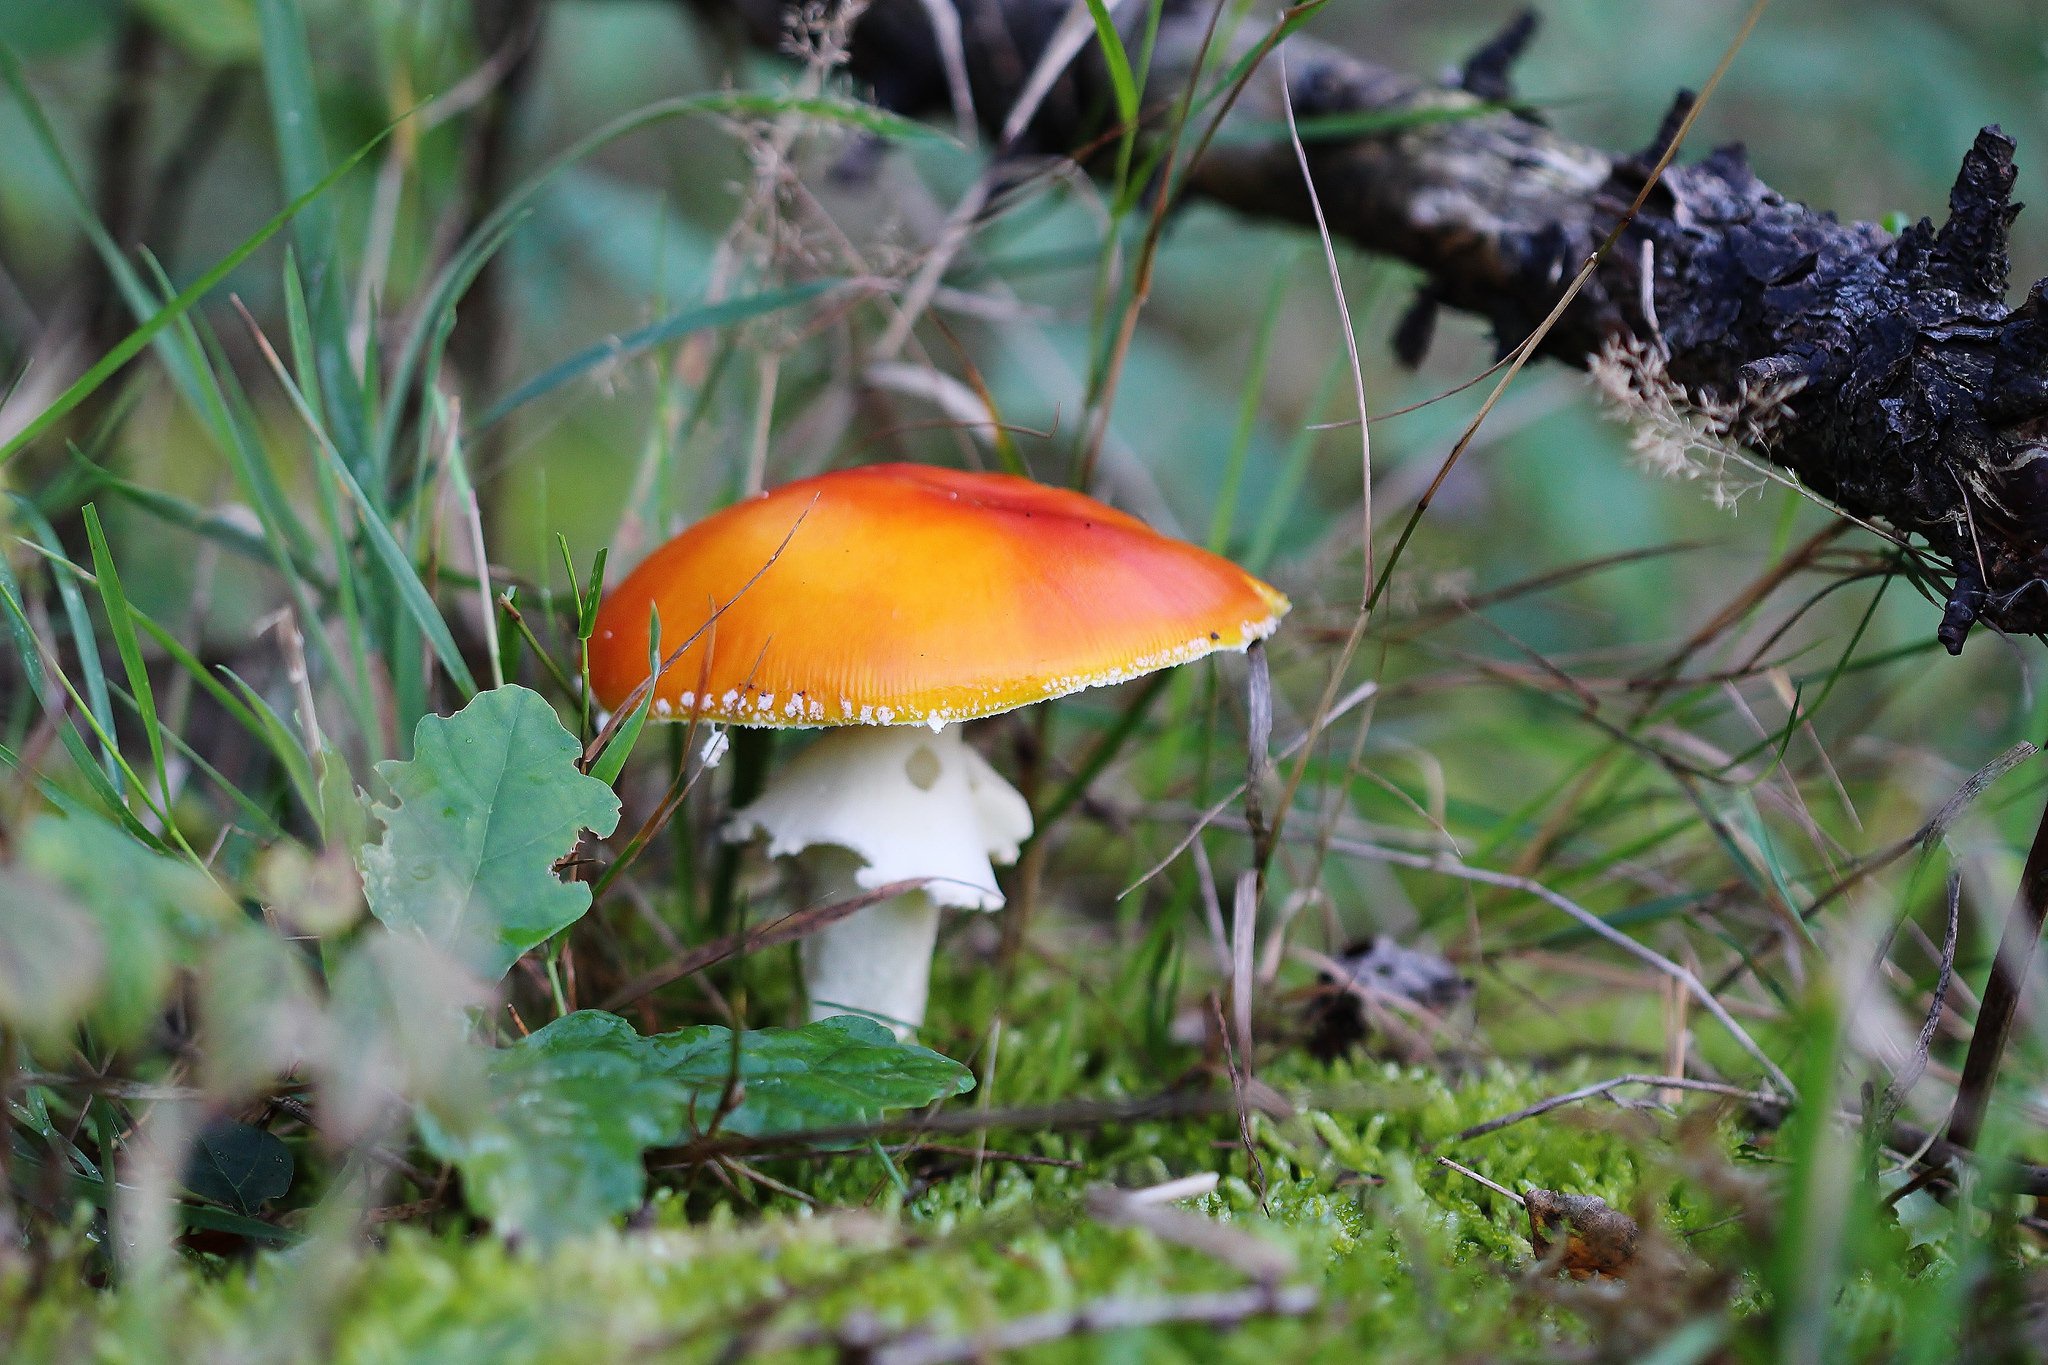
<point>838,1072</point>
<point>93,925</point>
<point>239,1167</point>
<point>50,958</point>
<point>556,1149</point>
<point>195,1216</point>
<point>489,801</point>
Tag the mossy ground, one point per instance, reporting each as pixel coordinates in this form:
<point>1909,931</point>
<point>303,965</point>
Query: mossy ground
<point>1412,1261</point>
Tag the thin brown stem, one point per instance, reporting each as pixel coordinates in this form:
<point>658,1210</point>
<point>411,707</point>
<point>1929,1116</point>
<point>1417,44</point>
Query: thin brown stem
<point>2002,993</point>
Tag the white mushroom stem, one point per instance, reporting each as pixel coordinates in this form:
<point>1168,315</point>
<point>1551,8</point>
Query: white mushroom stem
<point>878,960</point>
<point>908,804</point>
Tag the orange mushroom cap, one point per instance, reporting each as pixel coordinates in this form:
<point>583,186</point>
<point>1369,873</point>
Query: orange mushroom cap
<point>901,594</point>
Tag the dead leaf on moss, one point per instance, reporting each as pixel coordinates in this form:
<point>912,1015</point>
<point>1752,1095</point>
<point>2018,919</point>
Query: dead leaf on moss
<point>1598,1240</point>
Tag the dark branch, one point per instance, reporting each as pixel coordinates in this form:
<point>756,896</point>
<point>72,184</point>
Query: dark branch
<point>1487,73</point>
<point>1886,373</point>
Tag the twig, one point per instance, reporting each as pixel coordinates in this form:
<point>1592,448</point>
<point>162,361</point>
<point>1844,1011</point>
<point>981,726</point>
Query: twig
<point>1074,33</point>
<point>1935,1152</point>
<point>1471,1174</point>
<point>1449,866</point>
<point>794,925</point>
<point>984,1153</point>
<point>1909,1075</point>
<point>1244,919</point>
<point>1251,1255</point>
<point>1598,1088</point>
<point>1463,188</point>
<point>1216,1308</point>
<point>1350,701</point>
<point>945,21</point>
<point>2009,973</point>
<point>1237,1063</point>
<point>1315,201</point>
<point>1932,832</point>
<point>767,1182</point>
<point>1173,1191</point>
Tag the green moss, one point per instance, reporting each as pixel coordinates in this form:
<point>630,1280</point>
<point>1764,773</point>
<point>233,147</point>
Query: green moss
<point>1413,1261</point>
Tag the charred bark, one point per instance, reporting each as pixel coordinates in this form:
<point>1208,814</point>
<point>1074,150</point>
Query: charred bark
<point>1885,372</point>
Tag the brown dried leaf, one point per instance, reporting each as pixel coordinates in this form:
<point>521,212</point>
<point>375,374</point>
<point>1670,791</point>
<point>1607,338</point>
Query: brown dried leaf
<point>1597,1239</point>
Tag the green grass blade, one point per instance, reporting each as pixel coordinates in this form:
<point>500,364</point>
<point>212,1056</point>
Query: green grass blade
<point>1294,466</point>
<point>384,546</point>
<point>302,157</point>
<point>114,599</point>
<point>1106,749</point>
<point>29,651</point>
<point>867,118</point>
<point>1121,79</point>
<point>299,323</point>
<point>346,598</point>
<point>723,314</point>
<point>612,761</point>
<point>263,821</point>
<point>496,227</point>
<point>215,392</point>
<point>281,739</point>
<point>131,346</point>
<point>95,699</point>
<point>228,532</point>
<point>173,838</point>
<point>261,725</point>
<point>1225,513</point>
<point>290,755</point>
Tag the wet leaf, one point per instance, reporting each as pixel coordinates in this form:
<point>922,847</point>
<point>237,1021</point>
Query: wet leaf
<point>239,1167</point>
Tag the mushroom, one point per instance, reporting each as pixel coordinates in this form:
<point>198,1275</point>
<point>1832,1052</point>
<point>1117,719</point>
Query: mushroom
<point>888,604</point>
